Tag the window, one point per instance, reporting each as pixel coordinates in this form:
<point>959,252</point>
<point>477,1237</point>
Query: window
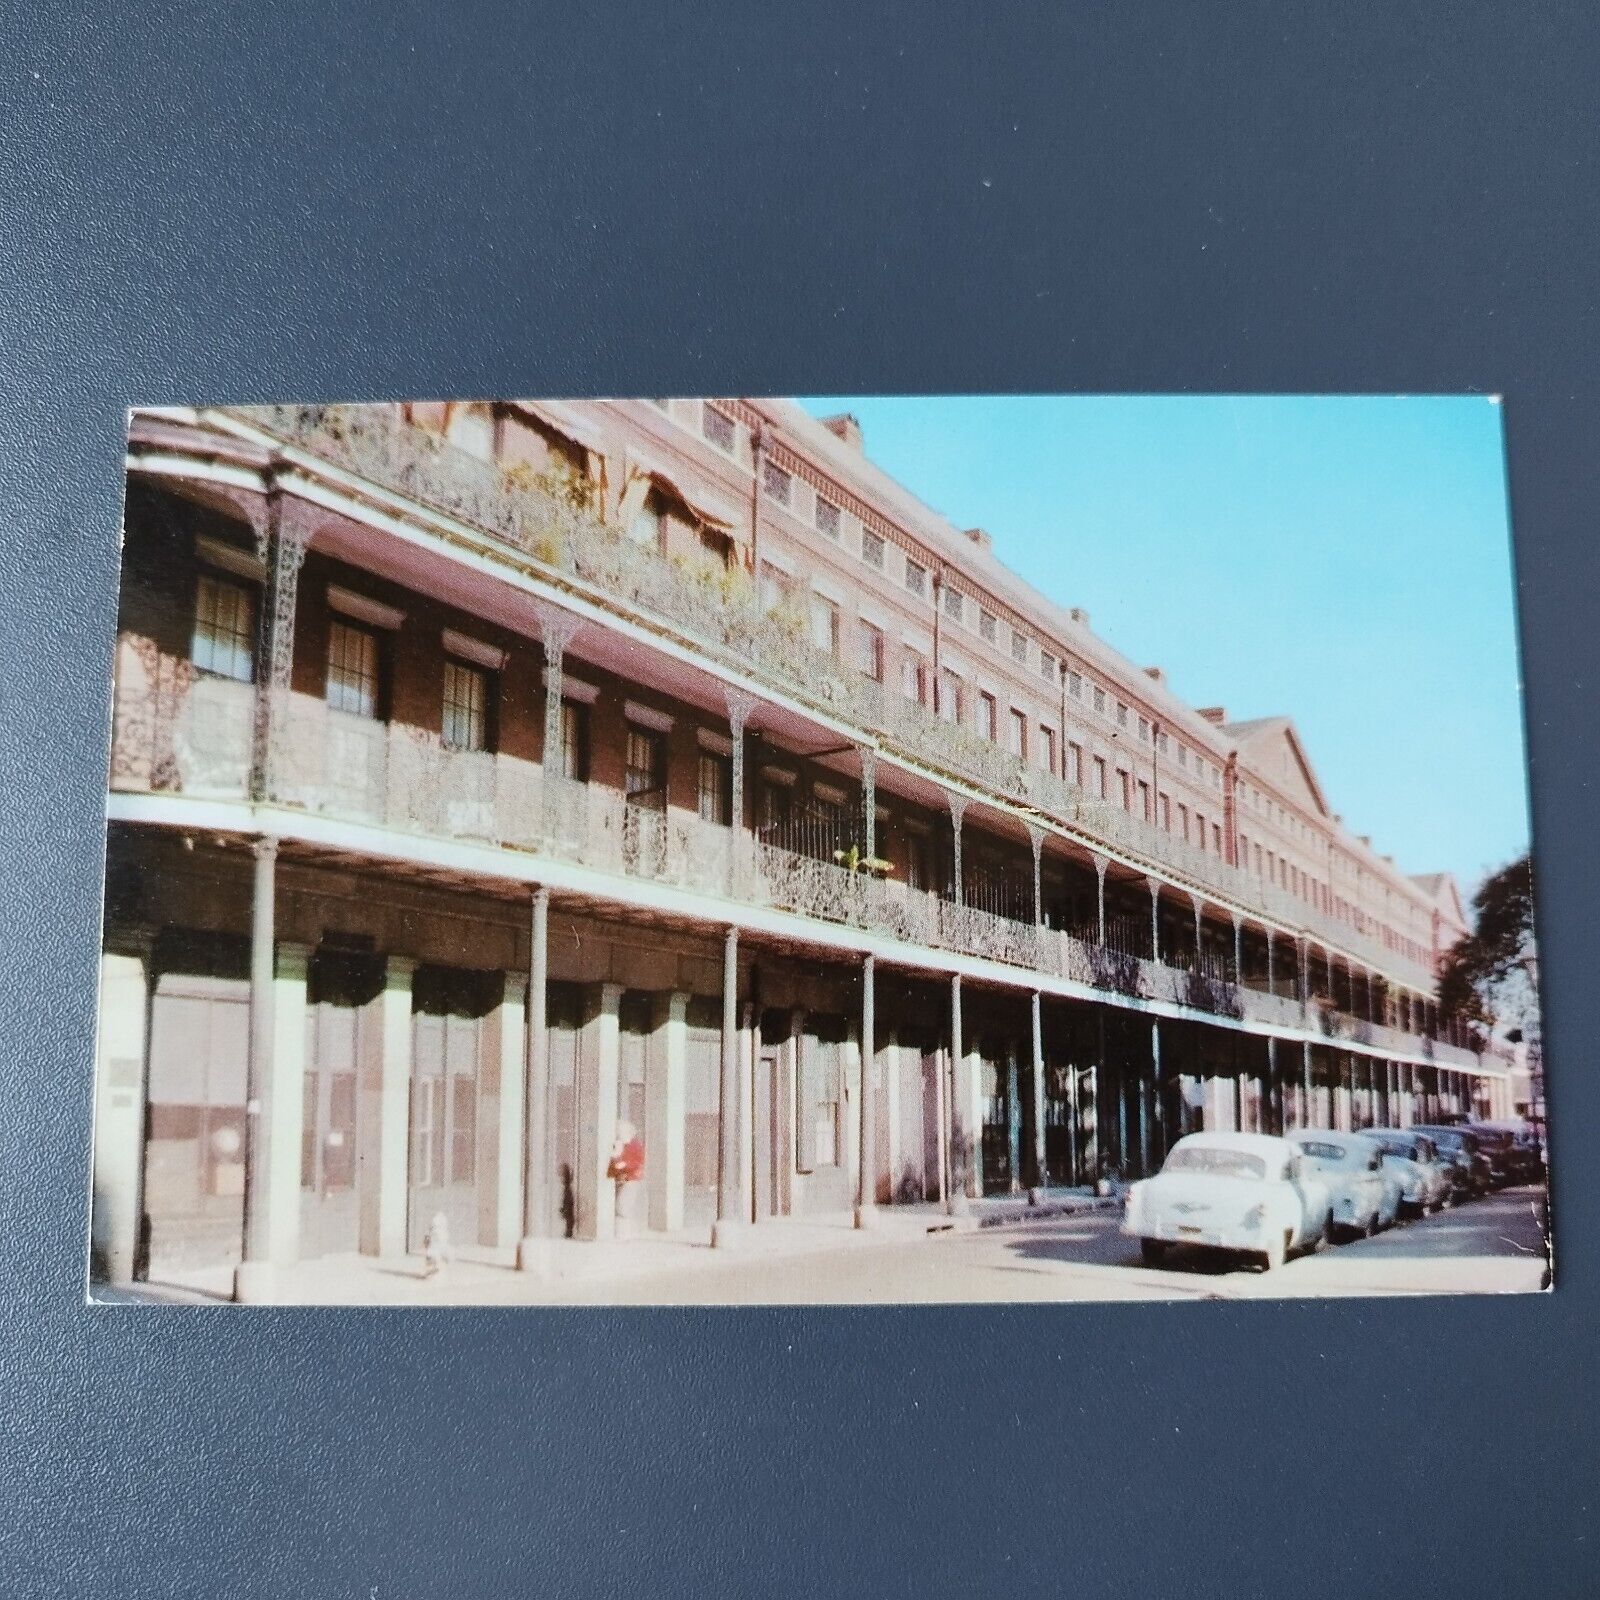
<point>986,717</point>
<point>716,788</point>
<point>224,629</point>
<point>575,741</point>
<point>1200,829</point>
<point>954,603</point>
<point>1074,772</point>
<point>1017,734</point>
<point>776,484</point>
<point>1161,743</point>
<point>986,625</point>
<point>1183,825</point>
<point>352,669</point>
<point>1047,748</point>
<point>827,518</point>
<point>648,527</point>
<point>872,552</point>
<point>772,589</point>
<point>717,427</point>
<point>1183,756</point>
<point>914,679</point>
<point>466,707</point>
<point>1125,785</point>
<point>950,696</point>
<point>1100,700</point>
<point>1122,715</point>
<point>644,778</point>
<point>1144,800</point>
<point>1075,685</point>
<point>869,642</point>
<point>1047,666</point>
<point>916,578</point>
<point>1144,730</point>
<point>1100,777</point>
<point>1019,647</point>
<point>1166,812</point>
<point>824,624</point>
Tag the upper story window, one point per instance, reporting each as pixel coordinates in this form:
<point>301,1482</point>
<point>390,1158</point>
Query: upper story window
<point>827,518</point>
<point>1122,715</point>
<point>954,603</point>
<point>914,679</point>
<point>1161,742</point>
<point>466,707</point>
<point>776,484</point>
<point>1100,777</point>
<point>224,629</point>
<point>1047,748</point>
<point>1074,772</point>
<point>1100,700</point>
<point>716,788</point>
<point>1183,756</point>
<point>986,625</point>
<point>1017,734</point>
<point>824,624</point>
<point>1048,666</point>
<point>1144,730</point>
<point>717,427</point>
<point>772,588</point>
<point>986,717</point>
<point>949,696</point>
<point>872,553</point>
<point>916,578</point>
<point>869,643</point>
<point>644,778</point>
<point>575,741</point>
<point>1019,647</point>
<point>649,523</point>
<point>354,669</point>
<point>1075,685</point>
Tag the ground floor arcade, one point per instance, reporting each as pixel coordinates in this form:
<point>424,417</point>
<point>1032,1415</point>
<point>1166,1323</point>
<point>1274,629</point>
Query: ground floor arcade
<point>303,1055</point>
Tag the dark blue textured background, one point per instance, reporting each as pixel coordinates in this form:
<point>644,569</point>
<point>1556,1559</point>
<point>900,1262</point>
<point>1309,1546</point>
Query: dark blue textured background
<point>263,201</point>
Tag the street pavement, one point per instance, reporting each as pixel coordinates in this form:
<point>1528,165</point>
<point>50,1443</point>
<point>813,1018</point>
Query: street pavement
<point>1491,1246</point>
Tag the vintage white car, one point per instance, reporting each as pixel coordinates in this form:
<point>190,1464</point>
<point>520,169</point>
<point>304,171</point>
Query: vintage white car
<point>1364,1193</point>
<point>1425,1179</point>
<point>1249,1192</point>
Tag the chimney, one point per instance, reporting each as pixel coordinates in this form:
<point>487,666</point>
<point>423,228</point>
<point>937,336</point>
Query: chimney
<point>1215,715</point>
<point>1157,674</point>
<point>844,426</point>
<point>1080,616</point>
<point>977,535</point>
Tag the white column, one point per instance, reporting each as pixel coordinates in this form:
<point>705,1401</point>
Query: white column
<point>121,1057</point>
<point>891,1115</point>
<point>282,533</point>
<point>958,811</point>
<point>1041,1177</point>
<point>599,1058</point>
<point>286,1103</point>
<point>867,1180</point>
<point>869,802</point>
<point>666,1075</point>
<point>386,1115</point>
<point>1155,918</point>
<point>1238,951</point>
<point>538,1125</point>
<point>954,1169</point>
<point>501,1135</point>
<point>1100,864</point>
<point>740,706</point>
<point>1013,1119</point>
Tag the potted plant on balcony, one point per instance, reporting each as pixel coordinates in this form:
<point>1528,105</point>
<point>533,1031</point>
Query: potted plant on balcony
<point>855,859</point>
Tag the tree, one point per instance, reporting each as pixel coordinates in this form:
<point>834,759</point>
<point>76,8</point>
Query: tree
<point>1486,973</point>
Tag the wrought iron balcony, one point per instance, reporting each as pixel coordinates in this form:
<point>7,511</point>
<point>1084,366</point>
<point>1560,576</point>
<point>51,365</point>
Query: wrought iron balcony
<point>179,732</point>
<point>716,610</point>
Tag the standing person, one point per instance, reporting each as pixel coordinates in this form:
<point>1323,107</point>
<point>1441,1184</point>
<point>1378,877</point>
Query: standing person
<point>626,1170</point>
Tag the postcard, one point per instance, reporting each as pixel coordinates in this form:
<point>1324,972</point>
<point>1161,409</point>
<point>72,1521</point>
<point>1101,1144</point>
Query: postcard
<point>738,851</point>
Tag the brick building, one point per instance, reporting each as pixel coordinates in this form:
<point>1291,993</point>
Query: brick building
<point>486,776</point>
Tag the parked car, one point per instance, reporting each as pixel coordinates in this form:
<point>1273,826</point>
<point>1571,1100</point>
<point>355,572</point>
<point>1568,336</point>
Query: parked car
<point>1363,1194</point>
<point>1248,1192</point>
<point>1499,1150</point>
<point>1457,1145</point>
<point>1425,1178</point>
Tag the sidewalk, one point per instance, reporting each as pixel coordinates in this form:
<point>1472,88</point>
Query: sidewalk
<point>490,1278</point>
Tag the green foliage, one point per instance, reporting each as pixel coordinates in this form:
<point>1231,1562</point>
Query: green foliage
<point>1479,963</point>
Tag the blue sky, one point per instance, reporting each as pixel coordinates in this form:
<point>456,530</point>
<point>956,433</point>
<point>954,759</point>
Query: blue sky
<point>1342,559</point>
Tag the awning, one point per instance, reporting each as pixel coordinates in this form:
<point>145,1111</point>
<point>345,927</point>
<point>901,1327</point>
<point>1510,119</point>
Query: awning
<point>582,431</point>
<point>708,507</point>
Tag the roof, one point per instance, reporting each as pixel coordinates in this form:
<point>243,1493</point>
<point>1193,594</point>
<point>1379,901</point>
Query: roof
<point>1262,1143</point>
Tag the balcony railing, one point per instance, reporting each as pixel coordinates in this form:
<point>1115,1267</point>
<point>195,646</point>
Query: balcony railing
<point>179,732</point>
<point>717,610</point>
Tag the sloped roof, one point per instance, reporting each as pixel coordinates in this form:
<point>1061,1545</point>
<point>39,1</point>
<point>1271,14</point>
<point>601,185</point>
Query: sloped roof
<point>1255,738</point>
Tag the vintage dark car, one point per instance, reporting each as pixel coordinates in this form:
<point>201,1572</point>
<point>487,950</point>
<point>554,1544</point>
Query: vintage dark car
<point>1470,1172</point>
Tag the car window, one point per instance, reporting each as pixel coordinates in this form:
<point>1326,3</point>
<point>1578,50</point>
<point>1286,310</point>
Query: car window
<point>1216,1161</point>
<point>1318,1150</point>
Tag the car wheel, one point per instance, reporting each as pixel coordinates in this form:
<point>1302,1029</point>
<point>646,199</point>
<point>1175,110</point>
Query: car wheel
<point>1153,1251</point>
<point>1276,1253</point>
<point>1372,1224</point>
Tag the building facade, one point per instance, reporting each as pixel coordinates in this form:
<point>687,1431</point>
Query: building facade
<point>486,777</point>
